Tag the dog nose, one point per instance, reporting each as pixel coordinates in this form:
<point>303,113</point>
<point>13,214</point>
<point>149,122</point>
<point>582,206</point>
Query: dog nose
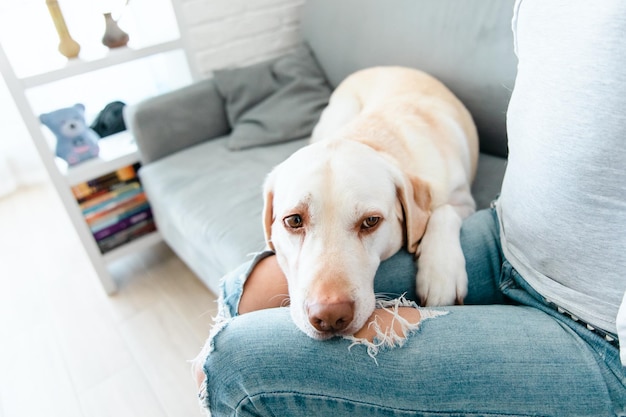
<point>331,317</point>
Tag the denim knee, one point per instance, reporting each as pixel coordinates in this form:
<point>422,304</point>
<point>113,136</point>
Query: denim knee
<point>496,360</point>
<point>243,364</point>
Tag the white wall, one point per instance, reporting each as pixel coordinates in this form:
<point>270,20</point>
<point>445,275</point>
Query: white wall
<point>230,33</point>
<point>20,164</point>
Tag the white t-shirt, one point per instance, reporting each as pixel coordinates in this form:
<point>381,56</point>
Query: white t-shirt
<point>563,202</point>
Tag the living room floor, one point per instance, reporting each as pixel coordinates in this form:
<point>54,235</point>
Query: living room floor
<point>67,349</point>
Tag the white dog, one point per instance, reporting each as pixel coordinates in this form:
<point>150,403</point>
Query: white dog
<point>391,162</point>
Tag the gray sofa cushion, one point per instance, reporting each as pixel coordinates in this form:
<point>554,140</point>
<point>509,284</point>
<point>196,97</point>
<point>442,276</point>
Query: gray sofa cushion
<point>167,123</point>
<point>273,101</point>
<point>207,202</point>
<point>488,181</point>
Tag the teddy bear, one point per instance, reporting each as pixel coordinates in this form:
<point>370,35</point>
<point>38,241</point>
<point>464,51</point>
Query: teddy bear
<point>76,141</point>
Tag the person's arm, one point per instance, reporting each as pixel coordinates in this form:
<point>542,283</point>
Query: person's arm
<point>266,287</point>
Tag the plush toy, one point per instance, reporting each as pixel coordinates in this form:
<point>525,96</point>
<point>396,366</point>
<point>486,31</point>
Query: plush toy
<point>76,141</point>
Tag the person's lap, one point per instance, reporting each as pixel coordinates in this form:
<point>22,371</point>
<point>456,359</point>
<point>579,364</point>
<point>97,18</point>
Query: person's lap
<point>475,360</point>
<point>483,359</point>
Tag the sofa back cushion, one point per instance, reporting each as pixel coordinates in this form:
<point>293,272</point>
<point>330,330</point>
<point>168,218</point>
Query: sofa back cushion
<point>467,44</point>
<point>273,101</point>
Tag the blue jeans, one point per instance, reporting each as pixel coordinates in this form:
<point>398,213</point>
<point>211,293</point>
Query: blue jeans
<point>505,353</point>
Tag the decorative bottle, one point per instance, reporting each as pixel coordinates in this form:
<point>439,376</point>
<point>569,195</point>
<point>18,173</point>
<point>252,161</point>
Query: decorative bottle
<point>114,37</point>
<point>68,47</point>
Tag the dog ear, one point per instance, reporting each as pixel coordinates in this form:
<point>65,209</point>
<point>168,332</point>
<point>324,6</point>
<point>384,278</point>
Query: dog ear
<point>268,209</point>
<point>414,195</point>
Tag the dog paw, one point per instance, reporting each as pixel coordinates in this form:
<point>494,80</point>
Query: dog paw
<point>441,277</point>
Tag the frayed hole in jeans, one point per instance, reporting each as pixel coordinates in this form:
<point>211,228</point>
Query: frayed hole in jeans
<point>220,322</point>
<point>395,334</point>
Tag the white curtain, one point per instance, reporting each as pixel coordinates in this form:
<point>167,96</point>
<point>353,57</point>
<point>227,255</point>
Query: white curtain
<point>20,164</point>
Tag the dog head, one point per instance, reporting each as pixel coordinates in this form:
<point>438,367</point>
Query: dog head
<point>333,211</point>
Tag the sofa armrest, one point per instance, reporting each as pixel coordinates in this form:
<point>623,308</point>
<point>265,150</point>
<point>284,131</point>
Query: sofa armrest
<point>165,124</point>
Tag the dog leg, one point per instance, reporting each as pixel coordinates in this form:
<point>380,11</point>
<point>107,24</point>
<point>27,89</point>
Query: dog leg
<point>462,201</point>
<point>441,275</point>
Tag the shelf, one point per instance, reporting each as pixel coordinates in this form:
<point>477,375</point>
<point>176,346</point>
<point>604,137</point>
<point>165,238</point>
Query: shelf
<point>30,40</point>
<point>41,80</point>
<point>113,57</point>
<point>136,245</point>
<point>116,151</point>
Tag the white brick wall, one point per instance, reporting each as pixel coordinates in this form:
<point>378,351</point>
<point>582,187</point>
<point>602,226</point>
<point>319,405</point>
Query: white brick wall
<point>231,33</point>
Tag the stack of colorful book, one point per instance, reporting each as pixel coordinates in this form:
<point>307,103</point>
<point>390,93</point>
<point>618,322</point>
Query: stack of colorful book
<point>115,207</point>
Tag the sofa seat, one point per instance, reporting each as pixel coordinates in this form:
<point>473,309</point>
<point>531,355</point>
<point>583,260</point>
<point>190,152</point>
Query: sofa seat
<point>210,236</point>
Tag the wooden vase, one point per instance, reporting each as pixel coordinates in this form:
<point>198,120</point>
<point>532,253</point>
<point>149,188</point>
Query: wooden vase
<point>68,47</point>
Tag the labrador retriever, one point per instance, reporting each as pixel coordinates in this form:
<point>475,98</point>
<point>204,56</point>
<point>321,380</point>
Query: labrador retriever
<point>390,163</point>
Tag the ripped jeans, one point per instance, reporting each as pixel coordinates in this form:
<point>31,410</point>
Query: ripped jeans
<point>505,353</point>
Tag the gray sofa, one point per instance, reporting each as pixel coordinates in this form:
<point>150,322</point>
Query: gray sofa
<point>206,197</point>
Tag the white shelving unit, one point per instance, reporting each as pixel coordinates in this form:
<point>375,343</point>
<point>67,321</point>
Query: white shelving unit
<point>156,63</point>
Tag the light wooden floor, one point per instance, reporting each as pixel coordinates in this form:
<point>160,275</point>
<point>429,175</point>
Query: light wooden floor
<point>66,348</point>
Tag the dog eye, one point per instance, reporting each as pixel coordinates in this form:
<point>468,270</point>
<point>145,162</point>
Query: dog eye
<point>294,221</point>
<point>370,222</point>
